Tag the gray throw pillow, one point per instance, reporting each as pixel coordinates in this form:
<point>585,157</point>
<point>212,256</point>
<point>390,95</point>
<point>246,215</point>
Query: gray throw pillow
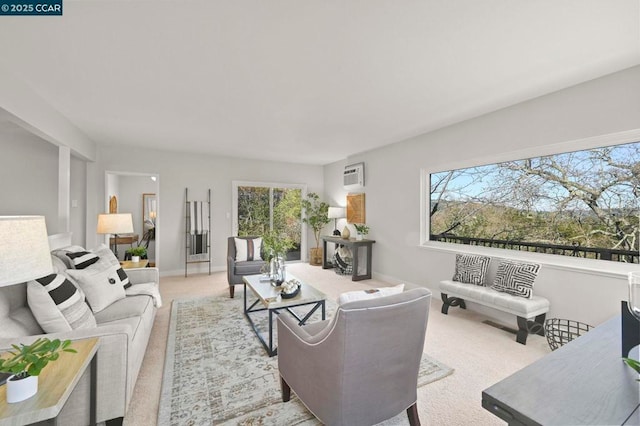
<point>471,269</point>
<point>516,278</point>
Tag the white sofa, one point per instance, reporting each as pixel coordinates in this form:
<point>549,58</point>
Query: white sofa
<point>124,328</point>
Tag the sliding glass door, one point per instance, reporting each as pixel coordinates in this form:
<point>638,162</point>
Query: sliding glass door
<point>260,207</point>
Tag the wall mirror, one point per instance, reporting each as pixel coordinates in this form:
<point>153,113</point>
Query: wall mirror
<point>149,216</point>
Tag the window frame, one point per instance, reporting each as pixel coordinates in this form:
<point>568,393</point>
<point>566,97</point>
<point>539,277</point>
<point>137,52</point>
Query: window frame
<point>271,185</point>
<point>596,266</point>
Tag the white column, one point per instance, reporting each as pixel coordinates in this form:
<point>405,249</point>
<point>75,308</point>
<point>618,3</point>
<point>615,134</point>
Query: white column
<point>64,188</point>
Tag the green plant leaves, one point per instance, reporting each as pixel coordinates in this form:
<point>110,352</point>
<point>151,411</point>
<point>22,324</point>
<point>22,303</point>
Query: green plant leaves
<point>31,359</point>
<point>633,364</point>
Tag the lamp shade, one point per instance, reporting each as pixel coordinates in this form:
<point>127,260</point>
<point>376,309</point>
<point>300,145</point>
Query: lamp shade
<point>336,212</point>
<point>24,249</point>
<point>115,223</point>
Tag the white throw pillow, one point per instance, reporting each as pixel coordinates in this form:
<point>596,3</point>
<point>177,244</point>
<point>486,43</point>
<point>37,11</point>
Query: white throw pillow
<point>106,260</point>
<point>352,296</point>
<point>58,305</point>
<point>101,287</point>
<point>248,249</point>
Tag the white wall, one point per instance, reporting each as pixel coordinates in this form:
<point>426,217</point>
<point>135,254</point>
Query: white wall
<point>178,171</point>
<point>29,180</point>
<point>605,106</point>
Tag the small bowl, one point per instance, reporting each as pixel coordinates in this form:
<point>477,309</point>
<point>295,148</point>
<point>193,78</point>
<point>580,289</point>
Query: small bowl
<point>290,295</point>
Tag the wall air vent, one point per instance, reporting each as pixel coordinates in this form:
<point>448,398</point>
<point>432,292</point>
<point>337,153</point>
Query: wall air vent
<point>353,176</point>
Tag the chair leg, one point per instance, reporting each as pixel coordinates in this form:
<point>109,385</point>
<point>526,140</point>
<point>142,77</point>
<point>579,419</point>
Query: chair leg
<point>286,390</point>
<point>232,290</point>
<point>412,413</point>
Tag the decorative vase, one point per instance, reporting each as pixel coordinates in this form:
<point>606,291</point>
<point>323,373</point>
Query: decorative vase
<point>277,270</point>
<point>359,237</point>
<point>21,389</point>
<point>135,259</point>
<point>346,234</point>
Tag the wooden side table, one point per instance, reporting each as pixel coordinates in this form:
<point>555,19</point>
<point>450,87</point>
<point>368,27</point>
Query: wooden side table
<point>355,246</point>
<point>127,264</point>
<point>55,384</point>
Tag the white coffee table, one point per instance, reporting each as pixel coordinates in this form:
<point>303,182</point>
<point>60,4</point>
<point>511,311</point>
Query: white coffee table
<point>268,297</point>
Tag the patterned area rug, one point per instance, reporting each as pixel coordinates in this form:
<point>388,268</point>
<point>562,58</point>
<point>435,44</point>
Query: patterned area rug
<point>217,372</point>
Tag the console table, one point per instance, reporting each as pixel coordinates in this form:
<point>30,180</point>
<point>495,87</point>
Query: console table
<point>356,246</point>
<point>55,384</point>
<point>584,382</point>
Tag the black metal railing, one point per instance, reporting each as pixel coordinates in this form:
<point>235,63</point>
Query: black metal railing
<point>626,256</point>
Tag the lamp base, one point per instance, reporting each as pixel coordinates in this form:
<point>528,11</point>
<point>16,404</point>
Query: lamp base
<point>336,232</point>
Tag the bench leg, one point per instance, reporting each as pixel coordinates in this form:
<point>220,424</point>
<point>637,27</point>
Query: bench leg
<point>451,301</point>
<point>525,327</point>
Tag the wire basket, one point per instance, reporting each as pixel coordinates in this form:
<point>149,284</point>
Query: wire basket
<point>561,331</point>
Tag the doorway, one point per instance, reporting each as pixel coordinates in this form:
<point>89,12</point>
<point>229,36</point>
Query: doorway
<point>138,194</point>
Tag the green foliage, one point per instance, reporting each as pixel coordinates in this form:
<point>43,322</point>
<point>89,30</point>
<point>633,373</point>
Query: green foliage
<point>361,228</point>
<point>633,364</point>
<point>316,214</point>
<point>29,360</point>
<point>137,251</point>
<point>275,244</point>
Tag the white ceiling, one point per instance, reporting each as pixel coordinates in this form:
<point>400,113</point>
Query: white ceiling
<point>310,81</point>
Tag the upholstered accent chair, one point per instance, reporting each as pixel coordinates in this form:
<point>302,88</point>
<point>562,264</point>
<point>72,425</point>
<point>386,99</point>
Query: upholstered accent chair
<point>361,366</point>
<point>237,269</point>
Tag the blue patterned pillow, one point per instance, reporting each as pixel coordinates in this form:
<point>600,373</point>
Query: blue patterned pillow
<point>471,269</point>
<point>516,278</point>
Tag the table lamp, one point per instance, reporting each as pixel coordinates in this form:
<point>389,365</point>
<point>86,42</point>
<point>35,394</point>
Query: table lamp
<point>115,223</point>
<point>24,249</point>
<point>336,213</point>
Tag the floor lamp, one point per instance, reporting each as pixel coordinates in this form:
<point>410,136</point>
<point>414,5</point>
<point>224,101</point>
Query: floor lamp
<point>336,213</point>
<point>114,224</point>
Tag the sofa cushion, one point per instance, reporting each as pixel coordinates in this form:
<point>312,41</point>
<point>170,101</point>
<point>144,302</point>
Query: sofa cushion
<point>101,287</point>
<point>516,278</point>
<point>471,269</point>
<point>130,306</point>
<point>57,304</point>
<point>248,249</point>
<point>352,296</point>
<point>82,259</point>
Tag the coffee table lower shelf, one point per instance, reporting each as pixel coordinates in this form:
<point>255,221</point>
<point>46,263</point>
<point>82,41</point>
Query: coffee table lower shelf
<point>269,347</point>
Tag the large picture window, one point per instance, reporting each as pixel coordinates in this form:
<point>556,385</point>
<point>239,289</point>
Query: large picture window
<point>582,203</point>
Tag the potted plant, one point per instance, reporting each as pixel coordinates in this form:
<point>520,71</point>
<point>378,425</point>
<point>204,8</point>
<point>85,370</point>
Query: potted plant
<point>137,253</point>
<point>274,248</point>
<point>25,364</point>
<point>362,230</point>
<point>633,364</point>
<point>316,216</point>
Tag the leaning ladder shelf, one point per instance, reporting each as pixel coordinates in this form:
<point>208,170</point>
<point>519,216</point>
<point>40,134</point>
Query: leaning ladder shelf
<point>190,236</point>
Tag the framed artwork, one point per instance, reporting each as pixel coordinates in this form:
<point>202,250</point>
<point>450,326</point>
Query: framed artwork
<point>356,208</point>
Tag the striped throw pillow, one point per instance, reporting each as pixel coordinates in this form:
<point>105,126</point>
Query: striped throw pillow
<point>58,305</point>
<point>248,249</point>
<point>82,259</point>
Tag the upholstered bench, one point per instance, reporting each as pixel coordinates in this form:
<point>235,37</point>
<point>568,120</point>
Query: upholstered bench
<point>511,291</point>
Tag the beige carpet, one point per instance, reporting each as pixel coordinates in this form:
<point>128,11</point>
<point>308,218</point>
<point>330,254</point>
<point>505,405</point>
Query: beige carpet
<point>480,354</point>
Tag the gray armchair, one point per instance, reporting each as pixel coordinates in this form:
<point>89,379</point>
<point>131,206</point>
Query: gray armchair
<point>236,270</point>
<point>360,367</point>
